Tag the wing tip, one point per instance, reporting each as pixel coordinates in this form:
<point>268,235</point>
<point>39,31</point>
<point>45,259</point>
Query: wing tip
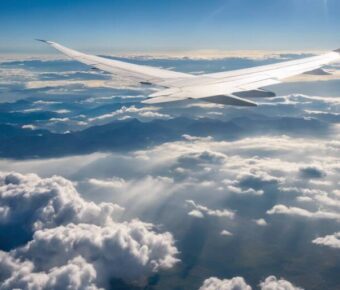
<point>337,50</point>
<point>43,40</point>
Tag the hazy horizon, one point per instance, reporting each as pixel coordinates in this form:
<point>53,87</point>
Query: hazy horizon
<point>177,25</point>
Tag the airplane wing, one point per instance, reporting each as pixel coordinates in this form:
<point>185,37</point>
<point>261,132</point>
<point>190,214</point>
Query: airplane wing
<point>229,88</point>
<point>234,87</point>
<point>138,73</point>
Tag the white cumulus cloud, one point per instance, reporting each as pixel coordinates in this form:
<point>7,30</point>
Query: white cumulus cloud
<point>332,241</point>
<point>130,251</point>
<point>77,274</point>
<point>75,243</point>
<point>47,202</point>
<point>272,283</point>
<point>300,212</point>
<point>200,211</point>
<point>236,283</point>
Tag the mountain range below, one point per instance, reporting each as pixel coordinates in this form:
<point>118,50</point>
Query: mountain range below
<point>22,143</point>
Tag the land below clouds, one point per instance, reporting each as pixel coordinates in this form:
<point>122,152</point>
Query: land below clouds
<point>23,143</point>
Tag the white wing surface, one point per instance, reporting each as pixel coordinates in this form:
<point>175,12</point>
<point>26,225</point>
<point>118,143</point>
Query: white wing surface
<point>230,88</point>
<point>245,81</point>
<point>140,73</point>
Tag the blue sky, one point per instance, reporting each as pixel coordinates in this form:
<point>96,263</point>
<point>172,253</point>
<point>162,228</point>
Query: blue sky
<point>148,25</point>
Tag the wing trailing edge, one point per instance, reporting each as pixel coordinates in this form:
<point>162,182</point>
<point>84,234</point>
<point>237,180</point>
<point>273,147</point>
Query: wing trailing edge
<point>230,100</point>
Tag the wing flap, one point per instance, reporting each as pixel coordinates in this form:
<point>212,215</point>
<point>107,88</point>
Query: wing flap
<point>260,93</point>
<point>318,72</point>
<point>221,99</point>
<point>229,100</point>
<point>164,99</point>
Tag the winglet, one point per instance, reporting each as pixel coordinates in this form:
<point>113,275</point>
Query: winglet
<point>42,40</point>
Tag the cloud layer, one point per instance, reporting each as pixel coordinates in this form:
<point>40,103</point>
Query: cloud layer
<point>74,241</point>
<point>259,185</point>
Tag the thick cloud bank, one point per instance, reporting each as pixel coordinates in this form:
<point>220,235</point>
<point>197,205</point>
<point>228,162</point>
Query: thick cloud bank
<point>77,274</point>
<point>40,203</point>
<point>75,243</point>
<point>125,250</point>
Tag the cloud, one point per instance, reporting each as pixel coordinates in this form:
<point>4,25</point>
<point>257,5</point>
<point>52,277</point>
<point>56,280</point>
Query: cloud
<point>43,102</point>
<point>257,179</point>
<point>196,138</point>
<point>16,75</point>
<point>272,283</point>
<point>261,222</point>
<point>29,126</point>
<point>300,212</point>
<point>204,105</point>
<point>251,183</point>
<point>65,166</point>
<point>153,115</point>
<point>132,111</point>
<point>236,283</point>
<point>332,241</point>
<point>201,211</point>
<point>226,233</point>
<point>253,167</point>
<point>239,190</point>
<point>196,213</point>
<point>70,235</point>
<point>36,203</point>
<point>212,54</point>
<point>77,274</point>
<point>113,183</point>
<point>130,251</point>
<point>311,172</point>
<point>50,84</point>
<point>139,194</point>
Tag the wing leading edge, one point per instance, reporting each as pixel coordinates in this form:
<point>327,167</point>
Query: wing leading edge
<point>228,88</point>
<point>139,73</point>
